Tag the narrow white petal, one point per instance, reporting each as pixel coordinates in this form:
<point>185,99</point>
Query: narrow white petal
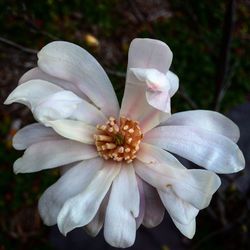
<point>187,230</point>
<point>51,154</point>
<point>74,130</point>
<point>205,148</point>
<point>206,119</point>
<point>154,209</point>
<point>144,54</point>
<point>37,73</point>
<point>32,92</point>
<point>123,207</point>
<point>151,154</point>
<point>82,208</point>
<point>73,64</point>
<point>194,186</point>
<point>74,181</point>
<point>32,134</point>
<point>178,209</point>
<point>94,227</point>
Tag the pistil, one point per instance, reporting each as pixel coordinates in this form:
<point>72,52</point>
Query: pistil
<point>118,141</point>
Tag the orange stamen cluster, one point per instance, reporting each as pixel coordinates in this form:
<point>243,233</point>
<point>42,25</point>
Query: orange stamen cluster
<point>118,141</point>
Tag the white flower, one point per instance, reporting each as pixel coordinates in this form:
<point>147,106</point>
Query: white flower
<point>117,169</point>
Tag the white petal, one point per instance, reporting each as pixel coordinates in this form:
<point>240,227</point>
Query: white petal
<point>178,209</point>
<point>192,185</point>
<point>74,64</point>
<point>32,134</point>
<point>174,82</point>
<point>206,119</point>
<point>123,207</point>
<point>94,227</point>
<point>81,209</point>
<point>74,130</point>
<point>51,154</point>
<point>186,229</point>
<point>144,54</point>
<point>74,181</point>
<point>67,105</point>
<point>154,209</point>
<point>37,73</point>
<point>32,92</point>
<point>151,154</point>
<point>207,149</point>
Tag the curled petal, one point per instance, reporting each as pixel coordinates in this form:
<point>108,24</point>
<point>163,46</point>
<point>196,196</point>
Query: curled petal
<point>67,105</point>
<point>74,64</point>
<point>156,84</point>
<point>82,208</point>
<point>122,209</point>
<point>174,82</point>
<point>51,154</point>
<point>205,148</point>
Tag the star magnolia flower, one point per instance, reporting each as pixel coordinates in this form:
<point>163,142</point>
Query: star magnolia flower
<point>117,169</point>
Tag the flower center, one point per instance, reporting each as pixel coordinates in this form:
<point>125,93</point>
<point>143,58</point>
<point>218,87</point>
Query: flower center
<point>118,141</point>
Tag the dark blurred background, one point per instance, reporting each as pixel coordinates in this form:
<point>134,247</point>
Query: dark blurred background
<point>210,42</point>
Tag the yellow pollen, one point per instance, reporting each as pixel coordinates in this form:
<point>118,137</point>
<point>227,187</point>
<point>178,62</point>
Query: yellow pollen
<point>118,141</point>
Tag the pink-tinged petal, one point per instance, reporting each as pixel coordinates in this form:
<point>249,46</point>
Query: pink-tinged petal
<point>122,209</point>
<point>156,84</point>
<point>194,186</point>
<point>144,54</point>
<point>82,208</point>
<point>37,73</point>
<point>205,148</point>
<point>74,130</point>
<point>72,63</point>
<point>187,230</point>
<point>73,182</point>
<point>154,209</point>
<point>178,209</point>
<point>51,154</point>
<point>67,105</point>
<point>32,92</point>
<point>205,119</point>
<point>32,134</point>
<point>151,154</point>
<point>94,227</point>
